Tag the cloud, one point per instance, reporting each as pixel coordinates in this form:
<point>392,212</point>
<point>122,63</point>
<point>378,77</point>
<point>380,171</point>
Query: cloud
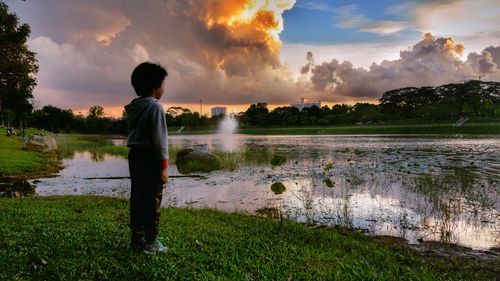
<point>485,63</point>
<point>293,55</point>
<point>224,52</point>
<point>495,53</point>
<point>432,61</point>
<point>221,51</point>
<point>66,21</point>
<point>456,18</point>
<point>460,19</point>
<point>349,16</point>
<point>315,6</point>
<point>385,27</point>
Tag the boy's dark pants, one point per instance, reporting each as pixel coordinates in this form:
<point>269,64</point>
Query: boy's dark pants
<point>146,194</point>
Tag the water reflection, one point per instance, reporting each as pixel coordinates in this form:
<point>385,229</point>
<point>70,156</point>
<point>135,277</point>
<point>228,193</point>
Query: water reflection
<point>416,188</point>
<point>97,156</point>
<point>16,188</point>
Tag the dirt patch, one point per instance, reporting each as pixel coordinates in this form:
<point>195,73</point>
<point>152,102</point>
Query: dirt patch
<point>485,262</point>
<point>273,213</point>
<point>16,188</point>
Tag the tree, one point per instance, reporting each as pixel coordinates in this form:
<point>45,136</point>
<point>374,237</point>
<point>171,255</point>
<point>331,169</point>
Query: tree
<point>96,112</point>
<point>18,64</point>
<point>52,118</point>
<point>366,112</point>
<point>96,123</point>
<point>256,114</point>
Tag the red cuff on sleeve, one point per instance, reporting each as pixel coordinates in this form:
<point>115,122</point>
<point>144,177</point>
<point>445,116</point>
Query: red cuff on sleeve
<point>164,164</point>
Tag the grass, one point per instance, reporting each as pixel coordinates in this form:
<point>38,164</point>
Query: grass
<point>96,144</point>
<point>16,161</point>
<point>440,129</point>
<point>86,237</point>
<point>99,144</point>
<point>232,160</point>
<point>254,156</point>
<point>454,184</point>
<point>491,128</point>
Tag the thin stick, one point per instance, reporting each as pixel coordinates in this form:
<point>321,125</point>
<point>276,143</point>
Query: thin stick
<point>122,178</point>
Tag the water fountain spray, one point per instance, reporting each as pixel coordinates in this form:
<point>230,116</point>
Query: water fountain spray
<point>228,125</point>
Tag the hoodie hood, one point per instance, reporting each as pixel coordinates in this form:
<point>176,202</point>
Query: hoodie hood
<point>146,126</point>
<point>137,108</point>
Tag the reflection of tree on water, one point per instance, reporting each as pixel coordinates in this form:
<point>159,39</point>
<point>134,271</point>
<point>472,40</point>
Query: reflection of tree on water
<point>97,156</point>
<point>16,188</point>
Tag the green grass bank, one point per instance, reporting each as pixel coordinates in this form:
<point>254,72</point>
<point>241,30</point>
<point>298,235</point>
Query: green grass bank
<point>16,161</point>
<point>72,238</point>
<point>492,128</point>
<point>432,129</point>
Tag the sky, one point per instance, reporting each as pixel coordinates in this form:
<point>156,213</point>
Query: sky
<point>238,52</point>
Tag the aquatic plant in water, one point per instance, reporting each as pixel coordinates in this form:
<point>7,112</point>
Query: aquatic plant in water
<point>328,167</point>
<point>278,160</point>
<point>278,188</point>
<point>328,183</point>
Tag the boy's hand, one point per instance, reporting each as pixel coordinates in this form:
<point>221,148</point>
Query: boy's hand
<point>164,176</point>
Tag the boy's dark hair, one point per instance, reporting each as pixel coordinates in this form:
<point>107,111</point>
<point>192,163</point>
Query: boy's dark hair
<point>146,77</point>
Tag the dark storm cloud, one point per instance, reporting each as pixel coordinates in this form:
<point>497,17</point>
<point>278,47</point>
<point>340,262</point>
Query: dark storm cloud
<point>87,49</point>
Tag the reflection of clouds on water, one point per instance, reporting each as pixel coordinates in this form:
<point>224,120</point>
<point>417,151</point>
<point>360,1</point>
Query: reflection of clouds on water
<point>229,143</point>
<point>412,187</point>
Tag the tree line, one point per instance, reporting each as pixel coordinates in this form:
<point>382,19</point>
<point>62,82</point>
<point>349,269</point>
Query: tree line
<point>474,99</point>
<point>59,120</point>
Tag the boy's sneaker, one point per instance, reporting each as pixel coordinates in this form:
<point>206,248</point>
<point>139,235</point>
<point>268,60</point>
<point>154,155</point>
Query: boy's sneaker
<point>155,247</point>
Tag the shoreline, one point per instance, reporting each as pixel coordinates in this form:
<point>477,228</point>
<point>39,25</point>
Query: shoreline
<point>431,247</point>
<point>327,251</point>
<point>417,129</point>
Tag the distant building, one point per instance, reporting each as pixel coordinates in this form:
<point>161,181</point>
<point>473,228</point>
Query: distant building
<point>304,103</point>
<point>218,111</point>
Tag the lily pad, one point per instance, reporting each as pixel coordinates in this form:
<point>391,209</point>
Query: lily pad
<point>329,183</point>
<point>278,188</point>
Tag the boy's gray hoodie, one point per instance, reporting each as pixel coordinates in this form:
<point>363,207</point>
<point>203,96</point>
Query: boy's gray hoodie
<point>146,125</point>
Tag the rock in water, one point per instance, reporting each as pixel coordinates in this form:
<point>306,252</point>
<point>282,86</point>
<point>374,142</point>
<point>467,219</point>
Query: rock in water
<point>193,160</point>
<point>41,143</point>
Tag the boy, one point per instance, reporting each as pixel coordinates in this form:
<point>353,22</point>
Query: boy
<point>148,156</point>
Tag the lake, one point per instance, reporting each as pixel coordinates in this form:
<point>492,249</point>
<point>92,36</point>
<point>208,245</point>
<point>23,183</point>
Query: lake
<point>421,188</point>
